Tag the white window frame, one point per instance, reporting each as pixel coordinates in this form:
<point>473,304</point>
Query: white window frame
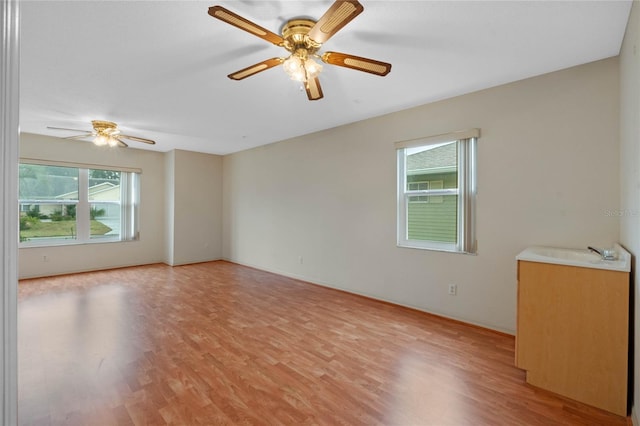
<point>466,191</point>
<point>129,205</point>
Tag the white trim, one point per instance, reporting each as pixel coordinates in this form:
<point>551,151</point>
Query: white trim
<point>471,193</point>
<point>9,131</point>
<point>47,201</point>
<point>445,137</point>
<point>58,242</point>
<point>346,289</point>
<point>430,245</point>
<point>418,192</point>
<point>401,220</point>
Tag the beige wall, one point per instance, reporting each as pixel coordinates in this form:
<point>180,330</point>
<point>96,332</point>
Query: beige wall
<point>195,207</point>
<point>322,207</point>
<point>630,168</point>
<point>86,257</point>
<point>180,209</point>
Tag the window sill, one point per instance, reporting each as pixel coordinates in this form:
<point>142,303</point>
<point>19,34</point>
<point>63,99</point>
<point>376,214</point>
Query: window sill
<point>66,243</point>
<point>438,249</point>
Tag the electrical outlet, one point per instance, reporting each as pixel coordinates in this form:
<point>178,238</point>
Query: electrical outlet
<point>300,260</point>
<point>45,258</point>
<point>453,289</point>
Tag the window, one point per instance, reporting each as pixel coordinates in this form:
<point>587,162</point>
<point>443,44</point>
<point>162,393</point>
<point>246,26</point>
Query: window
<point>422,186</point>
<point>67,205</point>
<point>418,186</point>
<point>436,192</point>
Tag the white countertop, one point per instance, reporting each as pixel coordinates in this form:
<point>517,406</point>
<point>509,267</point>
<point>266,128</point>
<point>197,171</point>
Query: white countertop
<point>577,257</point>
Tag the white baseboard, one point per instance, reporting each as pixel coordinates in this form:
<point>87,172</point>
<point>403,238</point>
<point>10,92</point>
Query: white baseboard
<point>394,302</point>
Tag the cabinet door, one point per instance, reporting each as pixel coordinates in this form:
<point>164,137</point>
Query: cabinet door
<point>572,335</point>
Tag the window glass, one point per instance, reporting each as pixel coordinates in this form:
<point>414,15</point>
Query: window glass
<point>39,182</point>
<point>61,205</point>
<point>105,194</point>
<point>48,201</point>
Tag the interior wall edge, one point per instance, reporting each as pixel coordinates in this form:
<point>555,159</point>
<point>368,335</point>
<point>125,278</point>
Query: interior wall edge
<point>187,263</point>
<point>9,131</point>
<point>629,176</point>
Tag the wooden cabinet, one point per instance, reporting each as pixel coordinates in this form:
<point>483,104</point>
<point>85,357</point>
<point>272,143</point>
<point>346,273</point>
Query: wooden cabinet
<point>573,332</point>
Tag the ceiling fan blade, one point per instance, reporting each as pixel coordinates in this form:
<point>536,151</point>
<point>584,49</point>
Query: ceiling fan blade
<point>238,21</point>
<point>339,14</point>
<point>255,69</point>
<point>314,91</point>
<point>88,135</point>
<point>357,63</point>
<point>73,130</point>
<point>137,139</point>
<point>122,143</point>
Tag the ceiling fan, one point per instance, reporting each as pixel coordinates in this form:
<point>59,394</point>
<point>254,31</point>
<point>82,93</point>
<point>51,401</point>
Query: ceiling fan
<point>303,38</point>
<point>105,133</point>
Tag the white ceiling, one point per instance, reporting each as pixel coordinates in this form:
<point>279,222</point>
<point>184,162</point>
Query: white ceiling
<point>158,68</point>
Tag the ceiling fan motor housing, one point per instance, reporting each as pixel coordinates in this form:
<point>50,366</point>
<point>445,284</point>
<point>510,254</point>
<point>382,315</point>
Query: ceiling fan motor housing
<point>295,33</point>
<point>105,127</point>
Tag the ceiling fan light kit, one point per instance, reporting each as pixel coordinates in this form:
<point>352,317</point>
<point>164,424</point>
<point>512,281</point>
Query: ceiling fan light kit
<point>107,133</point>
<point>303,38</point>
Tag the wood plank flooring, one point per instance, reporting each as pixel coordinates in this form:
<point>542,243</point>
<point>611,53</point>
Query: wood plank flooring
<point>221,344</point>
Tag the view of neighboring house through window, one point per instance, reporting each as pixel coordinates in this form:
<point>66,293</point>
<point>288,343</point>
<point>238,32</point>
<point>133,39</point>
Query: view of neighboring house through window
<point>436,192</point>
<point>66,205</point>
<point>105,194</point>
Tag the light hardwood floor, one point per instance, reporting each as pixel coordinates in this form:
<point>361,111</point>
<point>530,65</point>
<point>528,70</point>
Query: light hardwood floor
<point>217,343</point>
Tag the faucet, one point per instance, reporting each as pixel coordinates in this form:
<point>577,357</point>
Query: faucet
<point>593,249</point>
<point>605,254</point>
